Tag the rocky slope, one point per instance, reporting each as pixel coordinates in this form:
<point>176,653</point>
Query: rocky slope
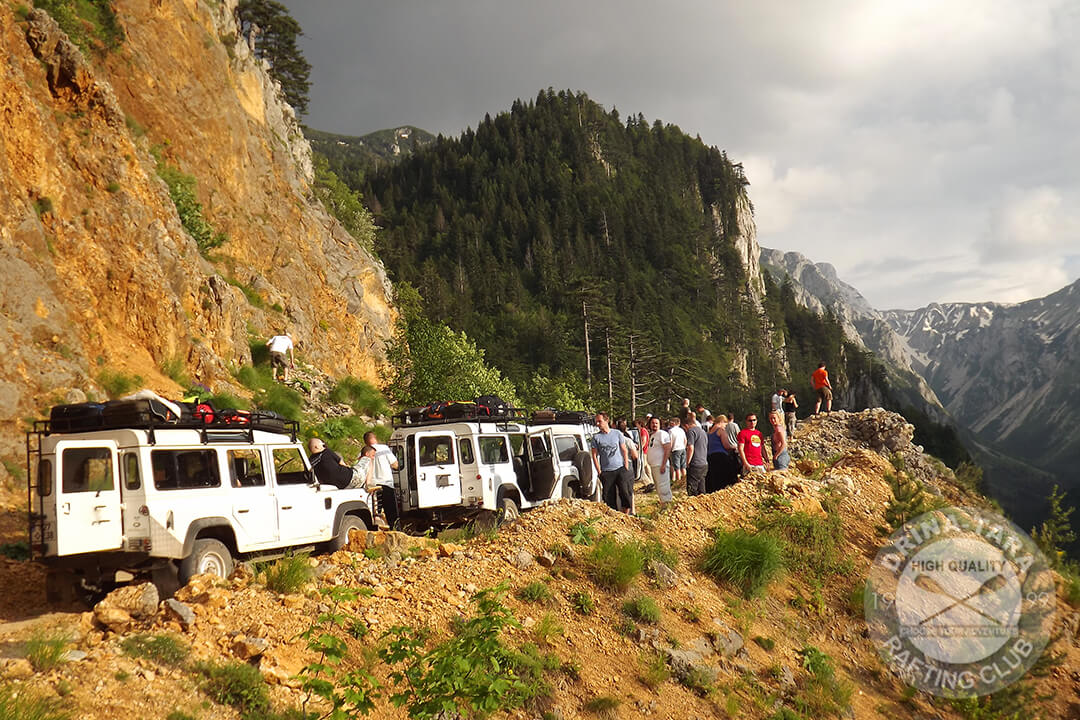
<point>746,651</point>
<point>107,278</point>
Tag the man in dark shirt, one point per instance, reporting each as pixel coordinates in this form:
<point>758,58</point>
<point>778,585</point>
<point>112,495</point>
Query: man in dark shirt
<point>329,468</point>
<point>697,452</point>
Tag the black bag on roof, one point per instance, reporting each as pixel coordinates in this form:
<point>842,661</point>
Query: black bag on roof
<point>144,411</point>
<point>491,405</point>
<point>77,416</point>
<point>454,410</point>
<point>578,417</point>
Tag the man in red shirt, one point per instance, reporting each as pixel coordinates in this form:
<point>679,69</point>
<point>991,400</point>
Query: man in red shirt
<point>823,388</point>
<point>752,450</point>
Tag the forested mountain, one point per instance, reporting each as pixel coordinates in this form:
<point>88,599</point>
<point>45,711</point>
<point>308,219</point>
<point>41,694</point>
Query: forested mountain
<point>351,157</point>
<point>559,216</point>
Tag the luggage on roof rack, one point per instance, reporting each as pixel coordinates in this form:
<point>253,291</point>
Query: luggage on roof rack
<point>77,416</point>
<point>444,412</point>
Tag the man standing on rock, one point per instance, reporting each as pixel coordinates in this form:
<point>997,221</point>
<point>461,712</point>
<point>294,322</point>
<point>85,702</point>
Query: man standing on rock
<point>383,477</point>
<point>611,456</point>
<point>279,345</point>
<point>823,388</point>
<point>697,454</point>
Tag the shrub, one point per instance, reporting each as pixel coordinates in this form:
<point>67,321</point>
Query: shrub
<point>812,542</point>
<point>285,575</point>
<point>43,205</point>
<point>821,693</point>
<point>162,648</point>
<point>696,679</point>
<point>22,705</point>
<point>766,644</point>
<point>582,602</point>
<point>235,683</point>
<point>363,397</point>
<point>1070,585</point>
<point>604,706</point>
<point>113,187</point>
<point>690,613</point>
<point>583,533</point>
<point>18,550</point>
<point>535,592</point>
<point>548,628</point>
<point>116,383</point>
<point>750,562</point>
<point>643,609</point>
<point>614,565</point>
<point>653,549</point>
<point>91,24</point>
<point>655,671</point>
<point>174,369</point>
<point>188,208</point>
<point>908,501</point>
<point>1056,533</point>
<point>45,649</point>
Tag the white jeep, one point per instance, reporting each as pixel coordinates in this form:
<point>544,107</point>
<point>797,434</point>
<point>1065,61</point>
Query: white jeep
<point>488,468</point>
<point>174,499</point>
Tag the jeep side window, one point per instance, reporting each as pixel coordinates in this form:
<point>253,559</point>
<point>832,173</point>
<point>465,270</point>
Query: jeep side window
<point>438,450</point>
<point>289,467</point>
<point>465,449</point>
<point>132,481</point>
<point>184,469</point>
<point>44,478</point>
<point>245,468</point>
<point>87,470</point>
<point>567,445</point>
<point>493,450</point>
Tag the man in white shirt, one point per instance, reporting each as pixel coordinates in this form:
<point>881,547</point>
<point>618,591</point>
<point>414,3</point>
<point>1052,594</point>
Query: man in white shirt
<point>279,345</point>
<point>658,457</point>
<point>383,477</point>
<point>678,451</point>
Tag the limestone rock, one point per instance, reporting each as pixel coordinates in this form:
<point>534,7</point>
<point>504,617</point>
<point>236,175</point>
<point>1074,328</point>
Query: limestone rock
<point>523,560</point>
<point>137,601</point>
<point>183,614</point>
<point>18,669</point>
<point>246,647</point>
<point>448,549</point>
<point>114,618</point>
<point>726,641</point>
<point>545,559</point>
<point>664,575</point>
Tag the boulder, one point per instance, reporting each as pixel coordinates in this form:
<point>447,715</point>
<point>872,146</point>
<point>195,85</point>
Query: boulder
<point>137,601</point>
<point>665,577</point>
<point>523,560</point>
<point>245,647</point>
<point>113,618</point>
<point>181,612</point>
<point>545,559</point>
<point>726,641</point>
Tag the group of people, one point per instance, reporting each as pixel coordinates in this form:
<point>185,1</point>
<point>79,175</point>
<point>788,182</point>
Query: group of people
<point>372,471</point>
<point>704,451</point>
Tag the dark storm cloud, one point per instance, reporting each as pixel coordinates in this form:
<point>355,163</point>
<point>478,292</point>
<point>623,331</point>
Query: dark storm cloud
<point>867,128</point>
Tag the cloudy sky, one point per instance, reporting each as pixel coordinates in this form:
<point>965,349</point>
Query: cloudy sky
<point>929,150</point>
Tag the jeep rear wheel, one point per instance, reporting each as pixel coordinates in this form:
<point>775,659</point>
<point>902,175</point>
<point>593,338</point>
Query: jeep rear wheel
<point>349,522</point>
<point>508,511</point>
<point>207,556</point>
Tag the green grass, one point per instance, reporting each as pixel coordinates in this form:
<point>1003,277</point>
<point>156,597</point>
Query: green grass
<point>45,649</point>
<point>535,592</point>
<point>237,684</point>
<point>19,704</point>
<point>116,383</point>
<point>654,669</point>
<point>91,24</point>
<point>363,397</point>
<point>643,609</point>
<point>766,644</point>
<point>547,628</point>
<point>285,575</point>
<point>821,694</point>
<point>162,648</point>
<point>604,706</point>
<point>113,187</point>
<point>270,395</point>
<point>614,565</point>
<point>18,550</point>
<point>582,602</point>
<point>749,562</point>
<point>813,544</point>
<point>653,549</point>
<point>254,299</point>
<point>1070,585</point>
<point>583,533</point>
<point>175,369</point>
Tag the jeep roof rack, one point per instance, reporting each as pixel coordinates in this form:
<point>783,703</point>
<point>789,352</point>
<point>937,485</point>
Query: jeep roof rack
<point>222,428</point>
<point>477,414</point>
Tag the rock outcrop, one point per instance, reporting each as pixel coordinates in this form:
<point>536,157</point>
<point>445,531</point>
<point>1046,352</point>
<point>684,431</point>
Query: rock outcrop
<point>105,278</point>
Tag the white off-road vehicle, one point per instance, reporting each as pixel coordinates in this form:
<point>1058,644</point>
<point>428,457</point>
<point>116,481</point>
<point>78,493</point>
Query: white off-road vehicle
<point>172,498</point>
<point>489,468</point>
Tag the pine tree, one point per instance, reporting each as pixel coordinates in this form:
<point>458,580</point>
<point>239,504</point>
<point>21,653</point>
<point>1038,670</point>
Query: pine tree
<point>908,501</point>
<point>1056,533</point>
<point>275,42</point>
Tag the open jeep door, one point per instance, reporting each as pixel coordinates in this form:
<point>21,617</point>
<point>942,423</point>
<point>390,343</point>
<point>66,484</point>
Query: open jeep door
<point>543,469</point>
<point>88,515</point>
<point>438,475</point>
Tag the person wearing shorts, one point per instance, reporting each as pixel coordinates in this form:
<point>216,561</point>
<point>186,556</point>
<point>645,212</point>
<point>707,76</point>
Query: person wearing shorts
<point>280,345</point>
<point>823,388</point>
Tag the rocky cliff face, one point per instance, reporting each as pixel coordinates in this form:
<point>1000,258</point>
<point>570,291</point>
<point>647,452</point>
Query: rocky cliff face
<point>101,274</point>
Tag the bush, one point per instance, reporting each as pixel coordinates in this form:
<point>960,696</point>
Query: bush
<point>821,693</point>
<point>162,648</point>
<point>604,706</point>
<point>582,602</point>
<point>45,649</point>
<point>643,609</point>
<point>116,383</point>
<point>235,683</point>
<point>188,208</point>
<point>18,704</point>
<point>18,550</point>
<point>614,565</point>
<point>535,592</point>
<point>91,24</point>
<point>750,562</point>
<point>812,542</point>
<point>583,533</point>
<point>363,397</point>
<point>655,671</point>
<point>285,575</point>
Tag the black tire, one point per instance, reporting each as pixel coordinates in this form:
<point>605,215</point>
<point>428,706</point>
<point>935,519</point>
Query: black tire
<point>207,556</point>
<point>583,463</point>
<point>508,510</point>
<point>570,487</point>
<point>349,522</point>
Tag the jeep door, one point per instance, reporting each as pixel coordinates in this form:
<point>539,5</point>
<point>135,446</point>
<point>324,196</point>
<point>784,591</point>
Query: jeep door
<point>303,516</point>
<point>542,466</point>
<point>254,504</point>
<point>438,475</point>
<point>88,515</point>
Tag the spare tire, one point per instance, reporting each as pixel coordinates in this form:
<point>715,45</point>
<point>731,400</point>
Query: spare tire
<point>583,463</point>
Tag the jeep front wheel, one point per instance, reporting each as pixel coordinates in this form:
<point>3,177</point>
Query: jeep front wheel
<point>341,540</point>
<point>207,556</point>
